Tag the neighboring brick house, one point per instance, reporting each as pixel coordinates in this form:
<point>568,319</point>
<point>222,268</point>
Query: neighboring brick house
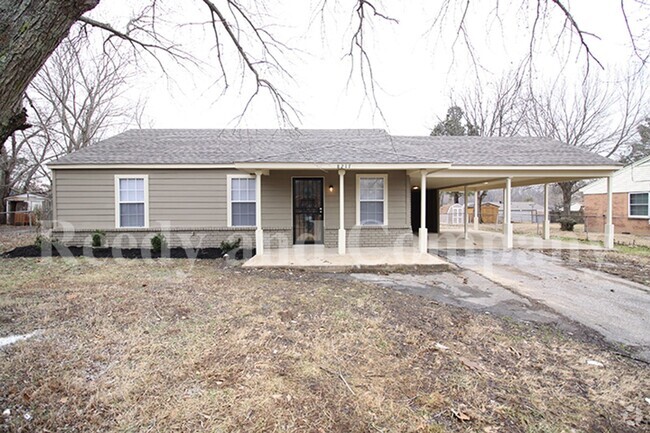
<point>631,198</point>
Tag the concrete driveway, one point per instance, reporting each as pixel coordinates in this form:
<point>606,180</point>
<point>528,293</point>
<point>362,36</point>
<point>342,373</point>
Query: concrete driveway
<point>531,286</point>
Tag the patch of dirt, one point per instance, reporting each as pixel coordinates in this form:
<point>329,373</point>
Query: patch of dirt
<point>12,237</point>
<point>201,346</point>
<point>632,267</point>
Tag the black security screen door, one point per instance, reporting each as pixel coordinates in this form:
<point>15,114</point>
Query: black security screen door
<point>308,211</point>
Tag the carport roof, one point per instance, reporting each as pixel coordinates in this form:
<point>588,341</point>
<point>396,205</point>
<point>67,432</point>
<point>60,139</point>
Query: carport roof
<point>323,146</point>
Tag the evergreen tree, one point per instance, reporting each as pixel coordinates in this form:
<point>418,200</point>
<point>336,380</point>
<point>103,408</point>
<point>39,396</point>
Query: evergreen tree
<point>641,148</point>
<point>454,124</point>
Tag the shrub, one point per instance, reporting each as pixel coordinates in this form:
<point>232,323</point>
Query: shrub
<point>98,238</point>
<point>43,242</point>
<point>567,224</point>
<point>158,243</point>
<point>226,246</point>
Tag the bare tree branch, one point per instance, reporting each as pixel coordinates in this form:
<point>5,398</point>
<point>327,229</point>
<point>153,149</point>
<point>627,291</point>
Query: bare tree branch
<point>159,45</point>
<point>286,112</point>
<point>358,51</point>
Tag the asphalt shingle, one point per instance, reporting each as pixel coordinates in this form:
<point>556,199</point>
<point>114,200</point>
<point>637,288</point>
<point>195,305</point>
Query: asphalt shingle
<point>229,146</point>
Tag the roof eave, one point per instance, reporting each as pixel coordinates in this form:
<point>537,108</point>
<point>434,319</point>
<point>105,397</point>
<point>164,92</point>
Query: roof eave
<point>251,166</point>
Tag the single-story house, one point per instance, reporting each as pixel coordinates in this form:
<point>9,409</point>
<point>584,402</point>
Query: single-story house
<point>283,188</point>
<point>631,200</point>
<point>21,208</point>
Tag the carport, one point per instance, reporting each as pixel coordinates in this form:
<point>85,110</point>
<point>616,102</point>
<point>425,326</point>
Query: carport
<point>475,178</point>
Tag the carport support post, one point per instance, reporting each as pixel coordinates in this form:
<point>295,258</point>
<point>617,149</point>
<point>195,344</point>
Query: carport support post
<point>609,226</point>
<point>547,226</point>
<point>507,217</point>
<point>465,213</point>
<point>476,210</point>
<point>259,233</point>
<point>423,233</point>
<point>341,212</point>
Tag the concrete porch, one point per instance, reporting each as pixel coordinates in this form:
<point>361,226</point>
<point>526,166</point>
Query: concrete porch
<point>318,256</point>
<point>483,240</point>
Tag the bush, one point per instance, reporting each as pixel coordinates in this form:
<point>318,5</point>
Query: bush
<point>158,243</point>
<point>43,242</point>
<point>567,224</point>
<point>98,238</point>
<point>226,246</point>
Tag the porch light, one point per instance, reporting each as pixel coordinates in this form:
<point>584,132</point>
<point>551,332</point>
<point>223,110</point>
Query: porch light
<point>416,187</point>
<point>331,188</point>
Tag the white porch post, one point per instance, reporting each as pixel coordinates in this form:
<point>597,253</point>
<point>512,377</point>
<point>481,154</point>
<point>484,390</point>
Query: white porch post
<point>465,214</point>
<point>547,226</point>
<point>507,214</point>
<point>609,226</point>
<point>423,233</point>
<point>476,210</point>
<point>341,212</point>
<point>259,233</point>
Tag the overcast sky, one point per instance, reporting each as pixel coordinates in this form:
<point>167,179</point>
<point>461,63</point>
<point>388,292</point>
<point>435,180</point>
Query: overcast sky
<point>415,66</point>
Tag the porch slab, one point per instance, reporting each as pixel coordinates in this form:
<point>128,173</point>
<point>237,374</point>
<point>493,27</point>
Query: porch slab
<point>483,240</point>
<point>314,256</point>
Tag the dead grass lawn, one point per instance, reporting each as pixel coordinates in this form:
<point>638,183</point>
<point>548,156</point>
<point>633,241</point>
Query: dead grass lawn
<point>578,233</point>
<point>12,237</point>
<point>163,346</point>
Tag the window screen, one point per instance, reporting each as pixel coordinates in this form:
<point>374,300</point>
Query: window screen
<point>371,201</point>
<point>131,202</point>
<point>242,201</point>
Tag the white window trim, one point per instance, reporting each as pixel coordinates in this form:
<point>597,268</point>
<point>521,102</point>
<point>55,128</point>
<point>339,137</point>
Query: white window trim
<point>629,206</point>
<point>229,178</point>
<point>358,198</point>
<point>119,177</point>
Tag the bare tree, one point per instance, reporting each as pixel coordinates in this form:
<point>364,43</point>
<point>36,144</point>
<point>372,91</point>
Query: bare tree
<point>75,96</point>
<point>73,102</point>
<point>15,167</point>
<point>496,109</point>
<point>597,117</point>
<point>30,31</point>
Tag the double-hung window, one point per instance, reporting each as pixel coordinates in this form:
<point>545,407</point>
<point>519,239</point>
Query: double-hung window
<point>639,205</point>
<point>131,208</point>
<point>241,200</point>
<point>371,205</point>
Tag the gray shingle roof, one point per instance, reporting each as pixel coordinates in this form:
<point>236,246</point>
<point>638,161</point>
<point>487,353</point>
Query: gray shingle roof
<point>228,146</point>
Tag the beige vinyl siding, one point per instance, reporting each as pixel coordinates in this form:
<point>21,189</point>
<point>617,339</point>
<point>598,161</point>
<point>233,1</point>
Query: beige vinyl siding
<point>277,197</point>
<point>180,198</point>
<point>197,197</point>
<point>277,206</point>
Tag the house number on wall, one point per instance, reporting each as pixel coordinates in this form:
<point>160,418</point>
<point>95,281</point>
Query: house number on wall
<point>343,166</point>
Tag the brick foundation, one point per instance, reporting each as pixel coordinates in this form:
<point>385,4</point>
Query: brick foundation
<point>371,236</point>
<point>177,237</point>
<point>211,237</point>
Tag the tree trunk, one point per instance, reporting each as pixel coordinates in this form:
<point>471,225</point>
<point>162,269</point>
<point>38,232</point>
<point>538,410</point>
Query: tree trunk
<point>567,195</point>
<point>30,30</point>
<point>481,197</point>
<point>5,174</point>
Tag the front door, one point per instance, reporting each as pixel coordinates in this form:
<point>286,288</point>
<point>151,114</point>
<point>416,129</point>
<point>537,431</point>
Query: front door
<point>308,211</point>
